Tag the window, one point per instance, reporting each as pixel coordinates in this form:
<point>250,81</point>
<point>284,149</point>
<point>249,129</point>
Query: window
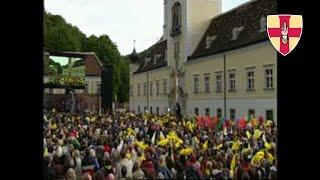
<point>98,88</point>
<point>156,58</point>
<point>151,111</point>
<point>232,114</point>
<point>207,111</point>
<point>145,109</point>
<point>164,86</point>
<point>139,112</point>
<point>131,90</point>
<point>250,80</point>
<point>146,61</point>
<point>236,32</point>
<point>263,24</point>
<point>252,113</point>
<point>219,113</point>
<point>157,109</point>
<point>176,19</point>
<point>196,84</point>
<point>138,89</point>
<point>209,41</point>
<point>207,83</point>
<point>269,115</point>
<point>86,89</point>
<point>157,88</point>
<point>145,89</point>
<point>268,78</point>
<point>176,15</point>
<point>150,89</point>
<point>219,83</point>
<point>196,111</point>
<point>232,81</point>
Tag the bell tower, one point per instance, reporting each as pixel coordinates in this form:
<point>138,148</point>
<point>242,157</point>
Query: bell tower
<point>185,21</point>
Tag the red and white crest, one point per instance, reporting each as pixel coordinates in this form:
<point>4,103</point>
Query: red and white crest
<point>284,31</point>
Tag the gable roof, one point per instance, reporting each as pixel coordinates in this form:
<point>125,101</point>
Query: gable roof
<point>158,52</point>
<point>248,16</point>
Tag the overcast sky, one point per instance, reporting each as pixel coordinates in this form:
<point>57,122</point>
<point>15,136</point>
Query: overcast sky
<point>123,20</point>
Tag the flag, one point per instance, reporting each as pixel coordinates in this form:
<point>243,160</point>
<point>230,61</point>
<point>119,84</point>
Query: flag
<point>190,126</point>
<point>248,134</point>
<point>161,136</point>
<point>256,159</point>
<point>130,132</point>
<point>242,123</point>
<point>270,157</point>
<point>186,151</point>
<point>257,133</point>
<point>220,123</point>
<point>207,121</point>
<point>199,119</point>
<point>163,142</point>
<point>233,163</point>
<point>205,145</point>
<point>236,145</point>
<point>267,145</point>
<point>219,146</point>
<point>249,117</point>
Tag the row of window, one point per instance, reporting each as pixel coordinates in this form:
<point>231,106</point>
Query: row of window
<point>232,113</point>
<point>151,87</point>
<point>157,110</point>
<point>232,81</point>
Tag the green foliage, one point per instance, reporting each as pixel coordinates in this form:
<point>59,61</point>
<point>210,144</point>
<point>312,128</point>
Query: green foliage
<point>61,36</point>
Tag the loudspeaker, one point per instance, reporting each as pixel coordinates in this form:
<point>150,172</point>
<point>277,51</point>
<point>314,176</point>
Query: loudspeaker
<point>106,88</point>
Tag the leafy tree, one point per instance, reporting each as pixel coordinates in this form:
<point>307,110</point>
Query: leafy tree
<point>61,36</point>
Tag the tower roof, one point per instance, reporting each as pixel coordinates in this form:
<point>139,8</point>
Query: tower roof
<point>134,58</point>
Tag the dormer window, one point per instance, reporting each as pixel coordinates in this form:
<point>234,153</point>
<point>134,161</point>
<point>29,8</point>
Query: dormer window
<point>263,24</point>
<point>176,19</point>
<point>146,60</point>
<point>209,40</point>
<point>156,58</point>
<point>236,32</point>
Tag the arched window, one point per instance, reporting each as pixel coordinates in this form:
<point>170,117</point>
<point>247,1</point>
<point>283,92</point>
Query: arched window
<point>176,19</point>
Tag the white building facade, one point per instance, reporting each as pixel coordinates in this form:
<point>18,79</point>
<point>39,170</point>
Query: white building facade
<point>201,48</point>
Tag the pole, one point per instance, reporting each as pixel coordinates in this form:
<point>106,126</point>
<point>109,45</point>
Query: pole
<point>147,90</point>
<point>225,86</point>
<point>100,103</point>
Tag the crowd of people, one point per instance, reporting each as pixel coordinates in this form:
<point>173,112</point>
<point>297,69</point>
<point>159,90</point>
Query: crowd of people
<point>123,145</point>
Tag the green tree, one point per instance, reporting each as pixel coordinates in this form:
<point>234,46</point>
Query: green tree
<point>61,36</point>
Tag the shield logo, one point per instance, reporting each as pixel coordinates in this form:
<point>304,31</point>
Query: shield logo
<point>284,31</point>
